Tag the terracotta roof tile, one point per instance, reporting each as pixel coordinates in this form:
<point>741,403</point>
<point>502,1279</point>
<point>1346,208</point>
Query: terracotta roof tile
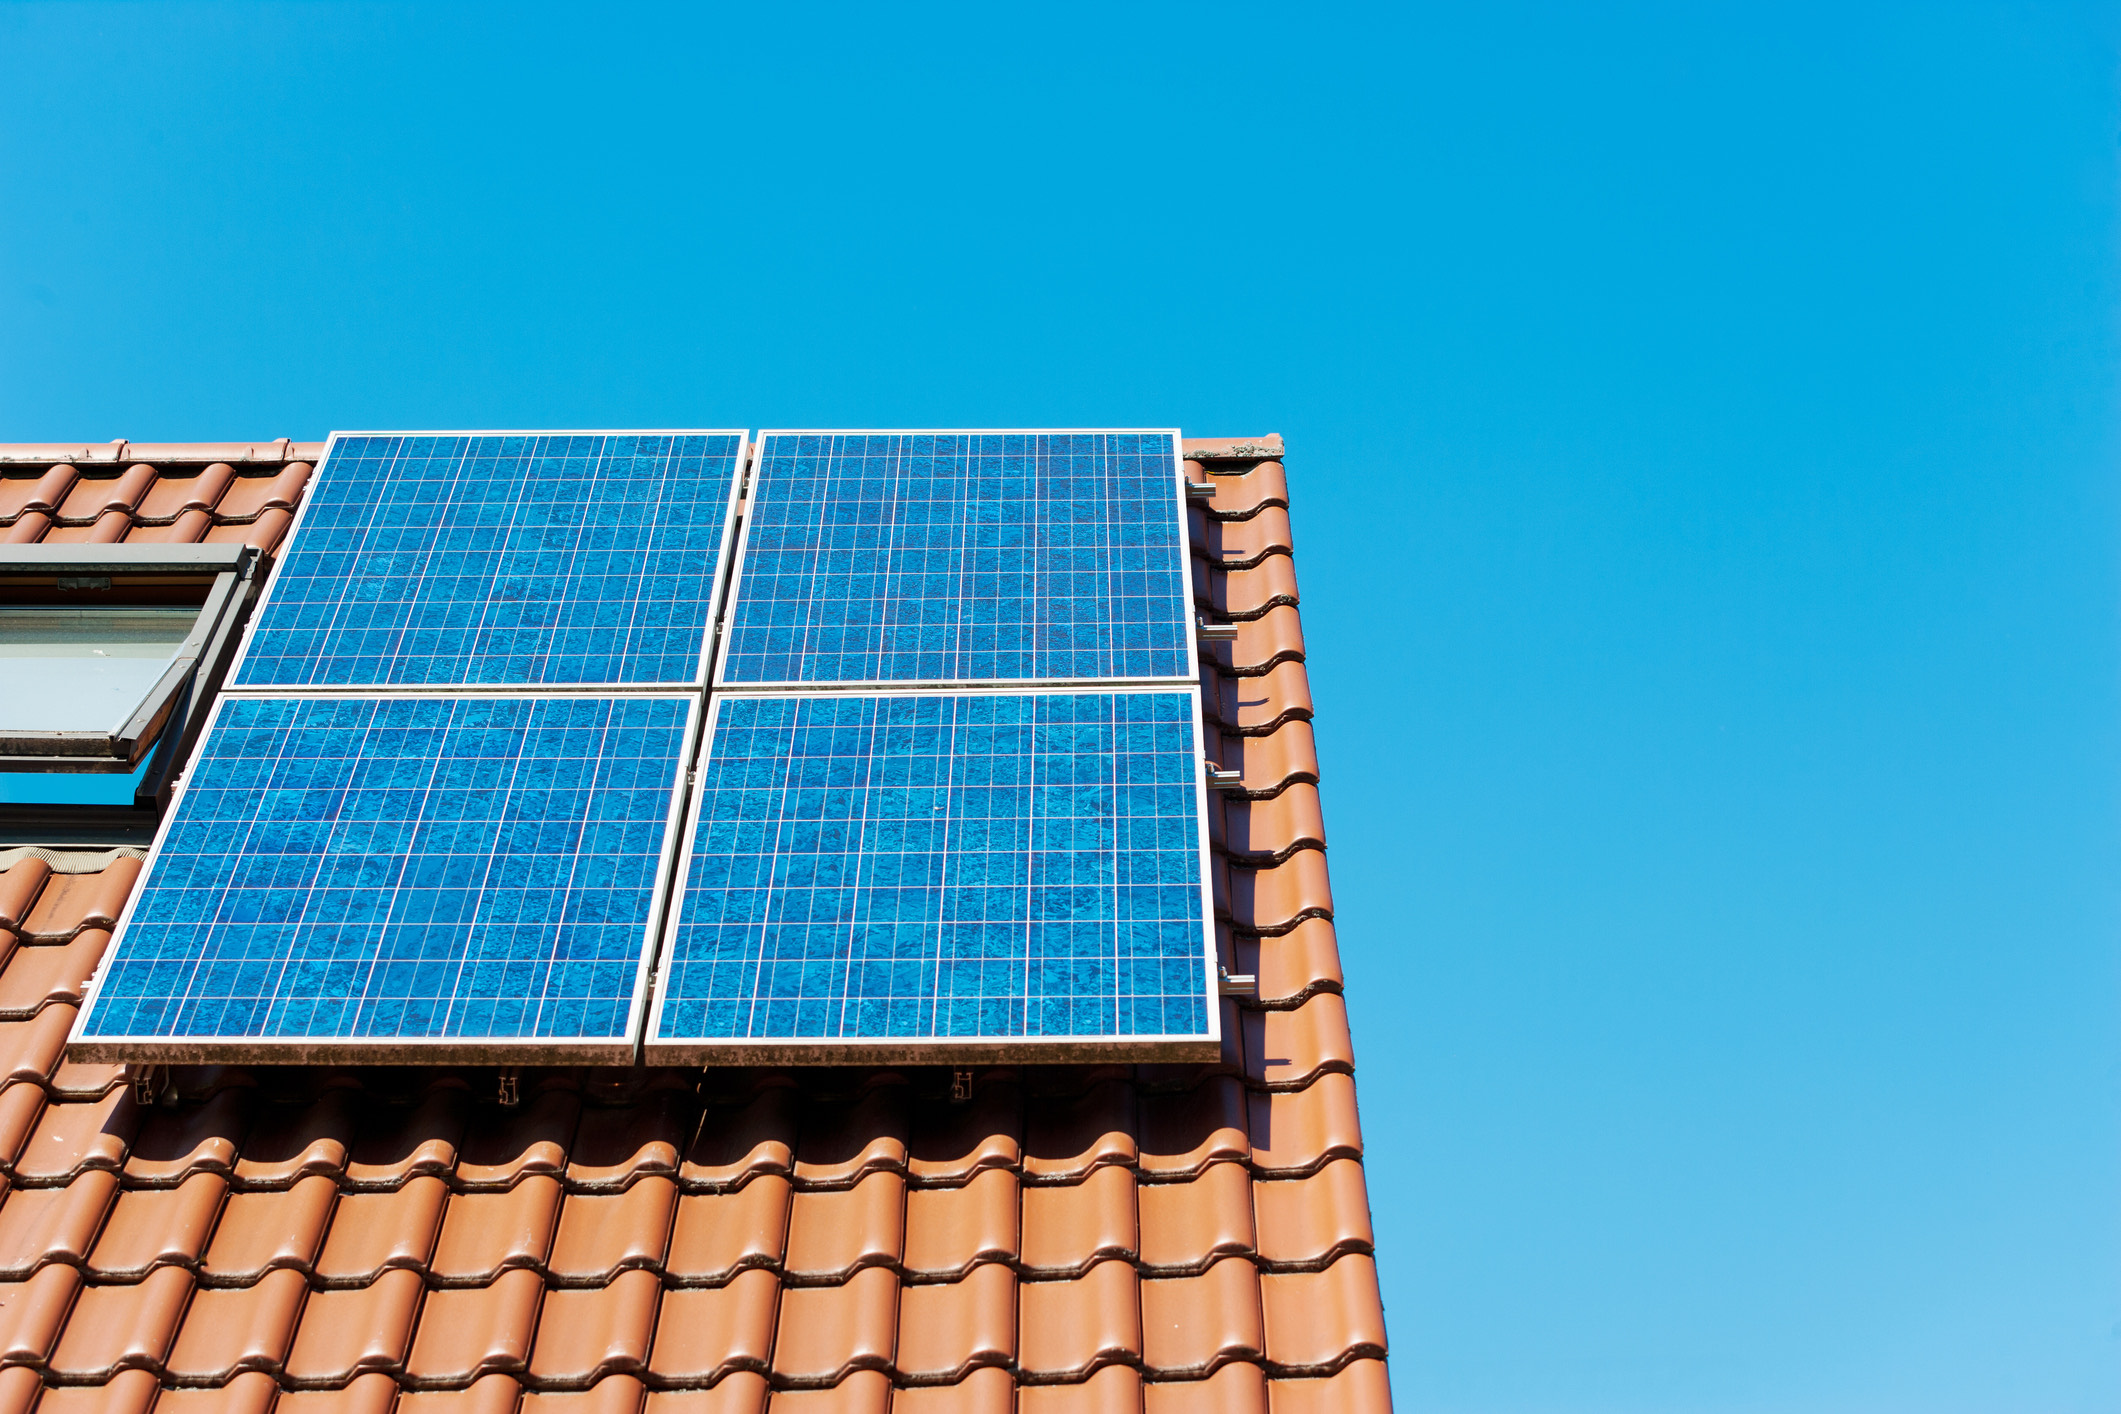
<point>249,1393</point>
<point>486,1233</point>
<point>1071,1327</point>
<point>1168,1238</point>
<point>240,1328</point>
<point>741,1393</point>
<point>1185,1226</point>
<point>121,1327</point>
<point>1193,1324</point>
<point>1113,1389</point>
<point>717,1234</point>
<point>1067,1227</point>
<point>269,1230</point>
<point>31,1312</point>
<point>827,1331</point>
<point>374,1232</point>
<point>39,1225</point>
<point>152,1227</point>
<point>604,1233</point>
<point>1317,1321</point>
<point>949,1229</point>
<point>987,1390</point>
<point>1235,1388</point>
<point>35,977</point>
<point>127,1392</point>
<point>348,1332</point>
<point>833,1231</point>
<point>1308,1222</point>
<point>705,1333</point>
<point>863,1392</point>
<point>586,1335</point>
<point>948,1328</point>
<point>71,1139</point>
<point>489,1394</point>
<point>466,1333</point>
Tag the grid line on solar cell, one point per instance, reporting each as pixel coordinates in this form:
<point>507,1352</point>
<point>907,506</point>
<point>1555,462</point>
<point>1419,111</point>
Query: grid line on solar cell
<point>408,868</point>
<point>528,560</point>
<point>961,557</point>
<point>946,866</point>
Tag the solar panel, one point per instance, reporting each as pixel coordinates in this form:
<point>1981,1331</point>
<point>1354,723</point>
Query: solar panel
<point>364,878</point>
<point>950,874</point>
<point>496,560</point>
<point>962,557</point>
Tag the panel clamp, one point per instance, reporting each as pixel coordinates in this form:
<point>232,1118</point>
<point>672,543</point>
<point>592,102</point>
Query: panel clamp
<point>1200,490</point>
<point>1222,780</point>
<point>1216,633</point>
<point>1242,985</point>
<point>511,1090</point>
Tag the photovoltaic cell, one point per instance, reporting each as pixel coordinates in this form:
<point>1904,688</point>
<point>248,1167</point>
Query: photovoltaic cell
<point>930,867</point>
<point>445,561</point>
<point>961,558</point>
<point>403,869</point>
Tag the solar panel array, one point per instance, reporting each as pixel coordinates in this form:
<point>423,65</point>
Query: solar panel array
<point>949,793</point>
<point>961,557</point>
<point>500,560</point>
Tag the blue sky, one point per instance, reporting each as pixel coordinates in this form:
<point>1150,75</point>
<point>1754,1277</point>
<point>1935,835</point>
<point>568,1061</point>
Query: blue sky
<point>1703,440</point>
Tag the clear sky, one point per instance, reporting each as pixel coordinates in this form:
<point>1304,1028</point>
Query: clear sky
<point>1703,440</point>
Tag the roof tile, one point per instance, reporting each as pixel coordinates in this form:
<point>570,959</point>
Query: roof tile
<point>174,1144</point>
<point>741,1393</point>
<point>1255,706</point>
<point>827,1331</point>
<point>1233,1389</point>
<point>1187,1225</point>
<point>586,1335</point>
<point>832,1232</point>
<point>601,1233</point>
<point>1295,1131</point>
<point>366,1394</point>
<point>70,1139</point>
<point>242,1328</point>
<point>716,1234</point>
<point>373,1232</point>
<point>1071,1327</point>
<point>29,1050</point>
<point>1193,1324</point>
<point>1317,1321</point>
<point>37,976</point>
<point>844,1140</point>
<point>1067,1135</point>
<point>949,1229</point>
<point>21,1106</point>
<point>122,1327</point>
<point>1185,1131</point>
<point>1285,1049</point>
<point>464,1334</point>
<point>484,1233</point>
<point>987,1390</point>
<point>863,1392</point>
<point>39,1225</point>
<point>1310,1221</point>
<point>952,1141</point>
<point>174,494</point>
<point>613,1147</point>
<point>128,1392</point>
<point>249,1393</point>
<point>489,1394</point>
<point>269,1230</point>
<point>396,1142</point>
<point>151,1227</point>
<point>947,1329</point>
<point>292,1140</point>
<point>614,1394</point>
<point>1295,964</point>
<point>91,496</point>
<point>705,1333</point>
<point>344,1333</point>
<point>32,1311</point>
<point>735,1143</point>
<point>531,1138</point>
<point>19,887</point>
<point>1067,1227</point>
<point>1114,1389</point>
<point>1360,1387</point>
<point>70,902</point>
<point>22,494</point>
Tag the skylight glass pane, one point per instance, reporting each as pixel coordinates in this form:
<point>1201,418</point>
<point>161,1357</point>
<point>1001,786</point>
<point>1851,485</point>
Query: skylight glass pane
<point>65,669</point>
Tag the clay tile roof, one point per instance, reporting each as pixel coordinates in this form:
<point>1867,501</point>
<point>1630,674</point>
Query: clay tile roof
<point>1144,1240</point>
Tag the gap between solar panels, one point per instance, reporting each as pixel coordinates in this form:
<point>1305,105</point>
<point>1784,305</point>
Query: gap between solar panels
<point>900,730</point>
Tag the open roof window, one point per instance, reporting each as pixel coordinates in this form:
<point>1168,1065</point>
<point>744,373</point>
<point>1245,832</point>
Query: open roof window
<point>108,655</point>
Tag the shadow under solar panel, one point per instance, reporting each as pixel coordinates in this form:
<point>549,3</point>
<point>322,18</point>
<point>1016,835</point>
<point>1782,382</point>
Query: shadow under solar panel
<point>370,879</point>
<point>937,876</point>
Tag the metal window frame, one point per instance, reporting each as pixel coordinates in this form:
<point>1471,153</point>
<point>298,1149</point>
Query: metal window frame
<point>167,721</point>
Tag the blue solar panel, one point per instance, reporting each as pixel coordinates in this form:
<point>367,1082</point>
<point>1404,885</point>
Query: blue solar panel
<point>942,867</point>
<point>411,869</point>
<point>444,561</point>
<point>960,558</point>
